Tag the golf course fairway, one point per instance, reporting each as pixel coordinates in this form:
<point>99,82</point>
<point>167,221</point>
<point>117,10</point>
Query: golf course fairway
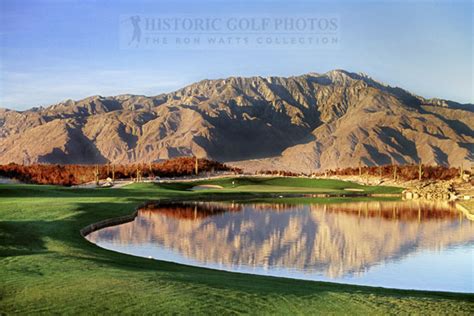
<point>46,266</point>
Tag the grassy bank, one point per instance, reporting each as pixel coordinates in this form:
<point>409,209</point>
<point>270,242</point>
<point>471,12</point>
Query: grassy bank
<point>46,266</point>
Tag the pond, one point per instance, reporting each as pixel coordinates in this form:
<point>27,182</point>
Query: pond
<point>394,244</point>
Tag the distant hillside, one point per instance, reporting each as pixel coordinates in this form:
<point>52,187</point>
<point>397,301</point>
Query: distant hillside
<point>303,123</point>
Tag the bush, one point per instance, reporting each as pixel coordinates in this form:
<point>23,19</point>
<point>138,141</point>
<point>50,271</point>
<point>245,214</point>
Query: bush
<point>406,172</point>
<point>77,174</point>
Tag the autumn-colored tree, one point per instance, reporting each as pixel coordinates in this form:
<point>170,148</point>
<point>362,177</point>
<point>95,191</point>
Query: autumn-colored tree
<point>77,174</point>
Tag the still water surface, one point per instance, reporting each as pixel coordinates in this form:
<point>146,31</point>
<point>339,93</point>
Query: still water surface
<point>409,245</point>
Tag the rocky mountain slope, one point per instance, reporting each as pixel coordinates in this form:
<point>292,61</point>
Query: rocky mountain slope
<point>303,123</point>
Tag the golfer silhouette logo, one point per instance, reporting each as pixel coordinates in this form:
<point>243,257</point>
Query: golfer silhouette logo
<point>137,30</point>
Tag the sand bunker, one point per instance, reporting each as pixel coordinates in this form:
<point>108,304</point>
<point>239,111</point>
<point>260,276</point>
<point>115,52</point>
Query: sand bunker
<point>206,187</point>
<point>4,180</point>
<point>354,190</point>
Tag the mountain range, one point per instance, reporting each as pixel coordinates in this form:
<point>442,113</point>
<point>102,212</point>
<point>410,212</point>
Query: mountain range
<point>302,123</point>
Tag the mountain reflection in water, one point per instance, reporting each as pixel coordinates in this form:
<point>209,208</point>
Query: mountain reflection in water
<point>333,239</point>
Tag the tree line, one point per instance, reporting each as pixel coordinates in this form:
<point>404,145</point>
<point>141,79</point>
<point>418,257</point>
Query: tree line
<point>78,174</point>
<point>396,172</point>
<point>404,172</point>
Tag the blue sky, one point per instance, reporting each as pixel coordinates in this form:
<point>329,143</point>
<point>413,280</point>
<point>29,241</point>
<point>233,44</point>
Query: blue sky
<point>54,50</point>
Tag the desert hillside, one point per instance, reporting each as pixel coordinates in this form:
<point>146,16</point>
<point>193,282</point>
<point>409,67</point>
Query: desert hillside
<point>303,123</point>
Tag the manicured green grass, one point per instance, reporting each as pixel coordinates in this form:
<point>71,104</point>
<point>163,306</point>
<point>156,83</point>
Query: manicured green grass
<point>287,185</point>
<point>46,266</point>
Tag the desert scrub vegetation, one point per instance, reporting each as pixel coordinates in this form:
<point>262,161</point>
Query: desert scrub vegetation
<point>77,174</point>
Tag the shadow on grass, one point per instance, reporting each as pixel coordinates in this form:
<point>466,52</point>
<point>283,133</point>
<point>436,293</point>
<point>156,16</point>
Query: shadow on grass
<point>28,242</point>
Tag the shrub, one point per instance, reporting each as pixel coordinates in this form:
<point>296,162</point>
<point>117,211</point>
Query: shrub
<point>77,174</point>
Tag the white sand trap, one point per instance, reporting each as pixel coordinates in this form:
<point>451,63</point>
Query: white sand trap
<point>206,187</point>
<point>354,190</point>
<point>4,180</point>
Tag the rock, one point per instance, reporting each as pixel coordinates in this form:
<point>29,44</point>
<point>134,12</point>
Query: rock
<point>408,195</point>
<point>441,190</point>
